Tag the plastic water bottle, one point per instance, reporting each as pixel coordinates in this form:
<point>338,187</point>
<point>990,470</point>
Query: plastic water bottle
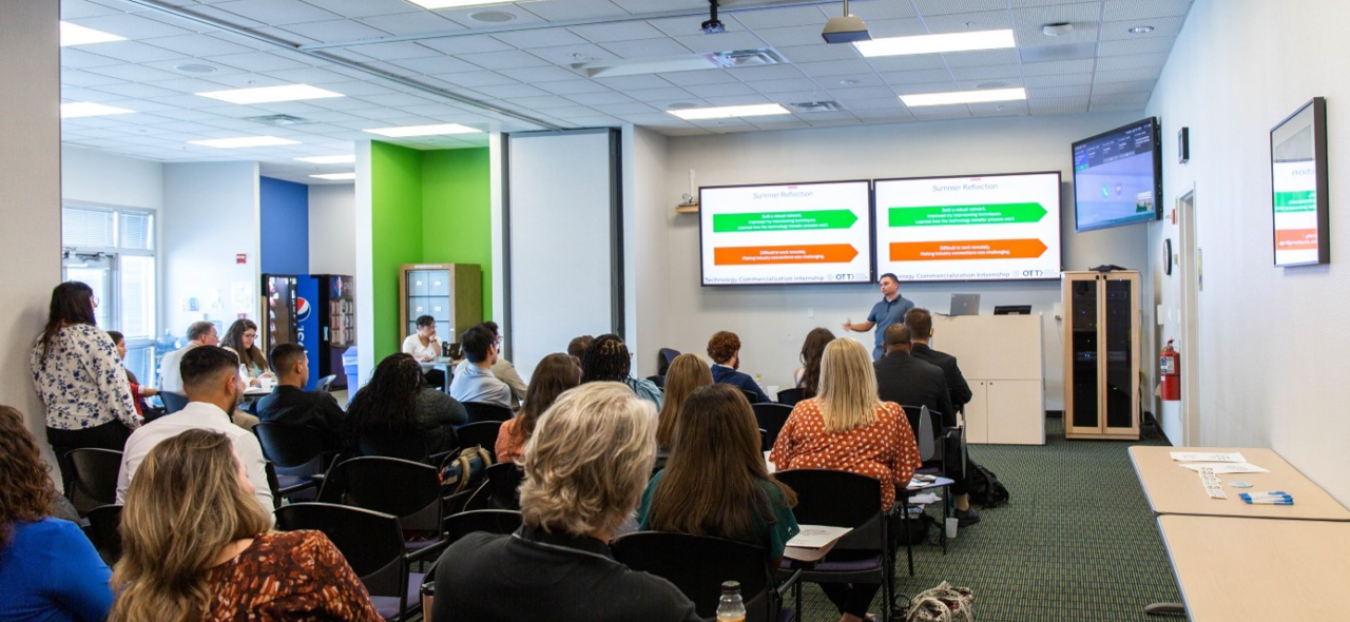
<point>731,608</point>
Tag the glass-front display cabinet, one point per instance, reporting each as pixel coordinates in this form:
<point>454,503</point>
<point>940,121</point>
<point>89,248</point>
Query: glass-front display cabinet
<point>1101,354</point>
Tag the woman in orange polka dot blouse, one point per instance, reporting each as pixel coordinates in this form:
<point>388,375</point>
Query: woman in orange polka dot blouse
<point>846,428</point>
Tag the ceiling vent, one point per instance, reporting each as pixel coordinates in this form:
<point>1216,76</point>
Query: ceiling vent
<point>1064,51</point>
<point>816,106</point>
<point>279,120</point>
<point>492,17</point>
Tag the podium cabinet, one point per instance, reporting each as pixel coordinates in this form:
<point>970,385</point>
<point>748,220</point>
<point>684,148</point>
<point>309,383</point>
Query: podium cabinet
<point>452,294</point>
<point>1101,355</point>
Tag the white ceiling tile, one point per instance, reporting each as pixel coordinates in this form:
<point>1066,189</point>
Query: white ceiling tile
<point>1063,79</point>
<point>688,26</point>
<point>720,90</point>
<point>596,99</point>
<point>783,86</point>
<point>885,28</point>
<point>924,87</point>
<point>784,16</point>
<point>948,7</point>
<point>435,65</point>
<point>541,102</point>
<point>693,131</point>
<point>200,45</point>
<point>964,22</point>
<point>76,9</point>
<point>529,39</point>
<point>75,77</point>
<point>1117,106</point>
<point>365,8</point>
<point>792,35</point>
<point>1051,68</point>
<point>738,100</point>
<point>617,31</point>
<point>134,73</point>
<point>629,108</point>
<point>186,85</point>
<point>1163,27</point>
<point>792,97</point>
<point>566,55</point>
<point>1048,92</point>
<point>936,113</point>
<point>1120,10</point>
<point>464,16</point>
<point>416,23</point>
<point>907,63</point>
<point>876,103</point>
<point>1138,61</point>
<point>71,94</point>
<point>396,50</point>
<point>1126,47</point>
<point>669,93</point>
<point>818,52</point>
<point>916,77</point>
<point>574,9</point>
<point>396,99</point>
<point>127,51</point>
<point>131,26</point>
<point>766,72</point>
<point>136,90</point>
<point>884,114</point>
<point>511,90</point>
<point>719,43</point>
<point>1073,12</point>
<point>843,93</point>
<point>510,59</point>
<point>875,10</point>
<point>834,67</point>
<point>624,83</point>
<point>570,87</point>
<point>276,12</point>
<point>471,79</point>
<point>1000,109</point>
<point>1030,35</point>
<point>655,119</point>
<point>987,72</point>
<point>1116,88</point>
<point>706,76</point>
<point>986,57</point>
<point>1125,75</point>
<point>648,48</point>
<point>540,74</point>
<point>336,30</point>
<point>186,115</point>
<point>257,61</point>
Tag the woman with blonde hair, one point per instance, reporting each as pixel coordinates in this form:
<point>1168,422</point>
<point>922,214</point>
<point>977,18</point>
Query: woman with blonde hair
<point>686,373</point>
<point>196,546</point>
<point>847,428</point>
<point>585,467</point>
<point>555,374</point>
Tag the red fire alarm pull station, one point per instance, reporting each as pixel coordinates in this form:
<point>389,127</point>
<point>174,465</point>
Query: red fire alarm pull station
<point>241,258</point>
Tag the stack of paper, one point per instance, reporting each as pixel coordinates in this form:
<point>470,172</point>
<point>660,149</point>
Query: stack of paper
<point>816,536</point>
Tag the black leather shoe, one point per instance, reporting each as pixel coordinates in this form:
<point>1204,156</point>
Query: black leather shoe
<point>968,517</point>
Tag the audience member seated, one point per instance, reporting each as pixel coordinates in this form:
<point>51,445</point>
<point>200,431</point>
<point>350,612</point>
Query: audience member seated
<point>502,369</point>
<point>585,468</point>
<point>290,404</point>
<point>48,569</point>
<point>138,392</point>
<point>475,382</point>
<point>807,376</point>
<point>211,379</point>
<point>425,347</point>
<point>398,402</point>
<point>196,547</point>
<point>198,334</point>
<point>607,360</point>
<point>725,350</point>
<point>908,381</point>
<point>79,378</point>
<point>686,373</point>
<point>554,375</point>
<point>846,428</point>
<point>241,339</point>
<point>715,483</point>
<point>577,347</point>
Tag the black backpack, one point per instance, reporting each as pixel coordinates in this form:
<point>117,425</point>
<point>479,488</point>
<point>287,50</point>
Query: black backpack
<point>984,487</point>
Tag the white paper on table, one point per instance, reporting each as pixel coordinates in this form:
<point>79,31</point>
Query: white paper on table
<point>1197,456</point>
<point>769,463</point>
<point>924,498</point>
<point>1226,467</point>
<point>816,536</point>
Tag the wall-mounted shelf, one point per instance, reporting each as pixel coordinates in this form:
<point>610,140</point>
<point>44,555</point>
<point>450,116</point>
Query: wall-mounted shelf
<point>686,209</point>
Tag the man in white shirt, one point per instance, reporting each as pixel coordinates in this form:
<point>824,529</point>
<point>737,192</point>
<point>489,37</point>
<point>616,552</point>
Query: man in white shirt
<point>211,379</point>
<point>199,334</point>
<point>424,346</point>
<point>475,382</point>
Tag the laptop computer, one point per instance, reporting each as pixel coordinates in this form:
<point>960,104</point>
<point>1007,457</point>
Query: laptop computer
<point>965,304</point>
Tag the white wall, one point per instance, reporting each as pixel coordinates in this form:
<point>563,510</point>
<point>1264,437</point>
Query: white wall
<point>647,215</point>
<point>30,203</point>
<point>210,215</point>
<point>89,176</point>
<point>332,229</point>
<point>1272,340</point>
<point>772,320</point>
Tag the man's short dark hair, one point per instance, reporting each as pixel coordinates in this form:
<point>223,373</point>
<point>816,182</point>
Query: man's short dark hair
<point>476,342</point>
<point>920,323</point>
<point>897,334</point>
<point>284,356</point>
<point>577,347</point>
<point>199,329</point>
<point>889,275</point>
<point>204,364</point>
<point>492,328</point>
<point>424,321</point>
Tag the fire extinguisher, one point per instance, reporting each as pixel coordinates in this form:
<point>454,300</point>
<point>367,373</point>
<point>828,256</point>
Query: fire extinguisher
<point>1169,366</point>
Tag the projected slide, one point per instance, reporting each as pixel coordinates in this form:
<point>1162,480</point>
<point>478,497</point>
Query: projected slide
<point>993,227</point>
<point>798,233</point>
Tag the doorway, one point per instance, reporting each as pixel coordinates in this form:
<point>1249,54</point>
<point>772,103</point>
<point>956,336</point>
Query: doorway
<point>1191,263</point>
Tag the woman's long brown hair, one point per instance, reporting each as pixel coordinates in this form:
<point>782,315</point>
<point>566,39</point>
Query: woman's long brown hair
<point>185,505</point>
<point>554,375</point>
<point>812,349</point>
<point>714,481</point>
<point>26,493</point>
<point>686,373</point>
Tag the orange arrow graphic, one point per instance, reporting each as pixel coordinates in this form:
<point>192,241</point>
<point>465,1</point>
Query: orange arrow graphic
<point>1295,239</point>
<point>967,249</point>
<point>807,253</point>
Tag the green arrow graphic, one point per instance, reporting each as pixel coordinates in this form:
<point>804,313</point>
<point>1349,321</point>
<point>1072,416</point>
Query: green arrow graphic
<point>983,214</point>
<point>784,221</point>
<point>1297,201</point>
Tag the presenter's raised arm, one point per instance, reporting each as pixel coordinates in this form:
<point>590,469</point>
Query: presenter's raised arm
<point>860,327</point>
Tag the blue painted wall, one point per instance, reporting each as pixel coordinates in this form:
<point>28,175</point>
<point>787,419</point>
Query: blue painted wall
<point>284,219</point>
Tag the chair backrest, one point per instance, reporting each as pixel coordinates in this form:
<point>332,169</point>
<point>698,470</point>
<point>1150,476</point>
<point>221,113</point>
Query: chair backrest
<point>483,433</point>
<point>697,565</point>
<point>925,435</point>
<point>504,481</point>
<point>325,383</point>
<point>839,499</point>
<point>406,489</point>
<point>492,521</point>
<point>291,447</point>
<point>372,542</point>
<point>403,446</point>
<point>664,358</point>
<point>94,482</point>
<point>914,415</point>
<point>659,381</point>
<point>104,524</point>
<point>173,402</point>
<point>790,397</point>
<point>481,411</point>
<point>771,418</point>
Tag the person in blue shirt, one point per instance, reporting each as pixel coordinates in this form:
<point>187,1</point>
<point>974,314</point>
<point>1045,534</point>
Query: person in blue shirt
<point>607,360</point>
<point>890,310</point>
<point>49,571</point>
<point>725,350</point>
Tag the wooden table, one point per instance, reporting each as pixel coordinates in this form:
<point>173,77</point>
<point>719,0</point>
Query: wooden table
<point>1173,489</point>
<point>1240,569</point>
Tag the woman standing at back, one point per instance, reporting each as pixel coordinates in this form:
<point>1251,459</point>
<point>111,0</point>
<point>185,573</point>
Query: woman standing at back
<point>80,379</point>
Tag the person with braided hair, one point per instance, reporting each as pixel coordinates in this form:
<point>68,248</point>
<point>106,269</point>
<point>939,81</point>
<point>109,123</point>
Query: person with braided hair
<point>607,360</point>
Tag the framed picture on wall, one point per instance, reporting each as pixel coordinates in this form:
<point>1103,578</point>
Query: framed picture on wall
<point>1298,184</point>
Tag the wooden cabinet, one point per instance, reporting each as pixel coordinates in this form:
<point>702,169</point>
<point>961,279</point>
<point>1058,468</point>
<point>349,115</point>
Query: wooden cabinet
<point>1001,359</point>
<point>452,294</point>
<point>1101,355</point>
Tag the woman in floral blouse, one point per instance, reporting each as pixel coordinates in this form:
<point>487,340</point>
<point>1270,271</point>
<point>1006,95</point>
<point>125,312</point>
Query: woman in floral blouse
<point>79,377</point>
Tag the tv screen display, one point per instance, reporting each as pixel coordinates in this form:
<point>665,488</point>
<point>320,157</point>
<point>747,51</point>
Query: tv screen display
<point>1117,177</point>
<point>986,228</point>
<point>786,234</point>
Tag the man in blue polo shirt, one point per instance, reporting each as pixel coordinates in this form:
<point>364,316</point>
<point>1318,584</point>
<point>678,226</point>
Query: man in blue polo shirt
<point>891,310</point>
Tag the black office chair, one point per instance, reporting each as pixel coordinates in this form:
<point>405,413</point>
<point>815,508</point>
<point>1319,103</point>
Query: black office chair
<point>325,383</point>
<point>699,565</point>
<point>659,381</point>
<point>843,499</point>
<point>173,402</point>
<point>771,418</point>
<point>750,396</point>
<point>93,477</point>
<point>790,397</point>
<point>372,543</point>
<point>481,411</point>
<point>939,446</point>
<point>103,532</point>
<point>483,434</point>
<point>403,446</point>
<point>664,358</point>
<point>462,524</point>
<point>406,489</point>
<point>297,452</point>
<point>503,486</point>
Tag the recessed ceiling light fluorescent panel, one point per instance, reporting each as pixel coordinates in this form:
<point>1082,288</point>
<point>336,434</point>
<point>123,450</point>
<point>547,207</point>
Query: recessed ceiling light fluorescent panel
<point>270,94</point>
<point>76,110</point>
<point>452,4</point>
<point>75,34</point>
<point>938,44</point>
<point>964,97</point>
<point>335,176</point>
<point>727,112</point>
<point>423,130</point>
<point>244,141</point>
<point>729,59</point>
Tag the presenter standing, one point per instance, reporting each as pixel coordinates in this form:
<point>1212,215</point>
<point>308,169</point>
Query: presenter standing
<point>891,310</point>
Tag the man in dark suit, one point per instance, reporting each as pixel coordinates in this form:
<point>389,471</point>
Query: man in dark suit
<point>290,404</point>
<point>908,381</point>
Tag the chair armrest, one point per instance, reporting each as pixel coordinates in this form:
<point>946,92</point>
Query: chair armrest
<point>786,584</point>
<point>298,487</point>
<point>437,458</point>
<point>430,551</point>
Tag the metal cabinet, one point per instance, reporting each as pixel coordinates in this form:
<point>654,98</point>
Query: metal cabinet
<point>1101,354</point>
<point>452,294</point>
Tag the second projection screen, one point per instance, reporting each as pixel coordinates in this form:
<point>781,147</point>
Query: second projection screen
<point>987,228</point>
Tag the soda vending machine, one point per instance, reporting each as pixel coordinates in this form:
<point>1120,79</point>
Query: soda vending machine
<point>326,322</point>
<point>278,319</point>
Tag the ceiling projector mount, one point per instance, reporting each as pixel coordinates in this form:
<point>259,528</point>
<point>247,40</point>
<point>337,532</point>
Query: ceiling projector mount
<point>846,29</point>
<point>713,26</point>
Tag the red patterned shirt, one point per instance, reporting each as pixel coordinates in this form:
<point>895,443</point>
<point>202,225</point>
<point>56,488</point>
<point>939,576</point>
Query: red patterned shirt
<point>290,576</point>
<point>884,450</point>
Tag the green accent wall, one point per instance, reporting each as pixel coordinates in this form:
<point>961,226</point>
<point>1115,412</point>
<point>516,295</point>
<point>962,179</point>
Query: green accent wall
<point>426,207</point>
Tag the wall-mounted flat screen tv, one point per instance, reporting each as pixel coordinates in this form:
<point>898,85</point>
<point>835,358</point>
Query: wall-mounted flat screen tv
<point>1117,177</point>
<point>786,234</point>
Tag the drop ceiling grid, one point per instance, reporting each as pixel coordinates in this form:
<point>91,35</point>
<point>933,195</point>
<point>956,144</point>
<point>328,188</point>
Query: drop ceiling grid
<point>529,70</point>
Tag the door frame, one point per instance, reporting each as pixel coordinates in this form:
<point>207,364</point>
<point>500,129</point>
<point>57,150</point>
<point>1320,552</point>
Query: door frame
<point>1192,284</point>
